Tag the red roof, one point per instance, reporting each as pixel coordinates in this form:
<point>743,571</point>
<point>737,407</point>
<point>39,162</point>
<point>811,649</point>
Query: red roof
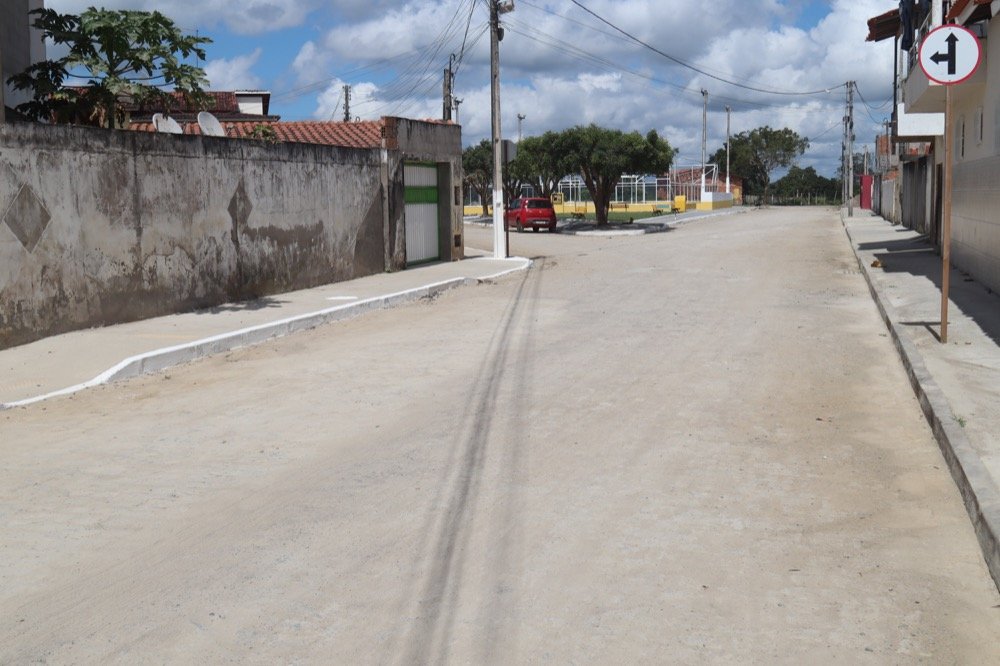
<point>960,6</point>
<point>362,134</point>
<point>883,26</point>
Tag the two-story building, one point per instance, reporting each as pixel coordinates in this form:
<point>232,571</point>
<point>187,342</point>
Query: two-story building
<point>918,124</point>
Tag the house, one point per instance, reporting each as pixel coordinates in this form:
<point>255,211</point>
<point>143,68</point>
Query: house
<point>225,105</point>
<point>917,129</point>
<point>21,46</point>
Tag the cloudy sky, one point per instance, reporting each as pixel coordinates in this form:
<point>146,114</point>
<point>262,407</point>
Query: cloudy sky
<point>561,66</point>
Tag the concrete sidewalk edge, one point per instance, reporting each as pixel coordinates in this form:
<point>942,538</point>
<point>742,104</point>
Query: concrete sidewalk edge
<point>978,488</point>
<point>167,357</point>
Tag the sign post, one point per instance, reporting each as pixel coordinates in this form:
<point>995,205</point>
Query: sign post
<point>948,55</point>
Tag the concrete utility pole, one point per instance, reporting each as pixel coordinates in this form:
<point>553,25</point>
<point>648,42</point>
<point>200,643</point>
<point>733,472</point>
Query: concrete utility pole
<point>520,119</point>
<point>496,34</point>
<point>850,148</point>
<point>843,160</point>
<point>449,89</point>
<point>728,144</point>
<point>704,140</point>
<point>347,103</point>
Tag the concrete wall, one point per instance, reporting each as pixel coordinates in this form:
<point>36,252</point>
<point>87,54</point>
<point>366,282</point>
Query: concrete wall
<point>101,226</point>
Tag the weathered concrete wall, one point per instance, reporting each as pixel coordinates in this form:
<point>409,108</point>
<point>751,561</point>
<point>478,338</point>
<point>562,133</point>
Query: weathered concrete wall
<point>99,227</point>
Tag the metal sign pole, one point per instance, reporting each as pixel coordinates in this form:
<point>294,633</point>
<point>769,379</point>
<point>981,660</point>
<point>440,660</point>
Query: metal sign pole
<point>948,55</point>
<point>946,221</point>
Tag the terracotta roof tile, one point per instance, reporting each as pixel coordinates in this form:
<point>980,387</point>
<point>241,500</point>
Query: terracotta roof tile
<point>363,134</point>
<point>959,6</point>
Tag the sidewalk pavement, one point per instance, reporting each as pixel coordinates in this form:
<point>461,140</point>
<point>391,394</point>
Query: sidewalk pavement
<point>958,383</point>
<point>71,362</point>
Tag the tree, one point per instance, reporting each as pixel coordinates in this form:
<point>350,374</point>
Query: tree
<point>602,156</point>
<point>757,153</point>
<point>539,162</point>
<point>119,57</point>
<point>477,165</point>
<point>806,182</point>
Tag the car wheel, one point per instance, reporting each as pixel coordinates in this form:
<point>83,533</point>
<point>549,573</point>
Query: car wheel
<point>552,228</point>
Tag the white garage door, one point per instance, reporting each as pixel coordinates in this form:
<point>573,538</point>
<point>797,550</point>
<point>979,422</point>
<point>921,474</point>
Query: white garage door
<point>421,196</point>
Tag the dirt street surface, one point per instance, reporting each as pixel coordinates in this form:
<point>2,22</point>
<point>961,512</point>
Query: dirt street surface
<point>690,447</point>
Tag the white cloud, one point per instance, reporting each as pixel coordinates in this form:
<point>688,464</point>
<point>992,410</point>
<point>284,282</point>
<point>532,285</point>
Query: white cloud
<point>234,73</point>
<point>245,17</point>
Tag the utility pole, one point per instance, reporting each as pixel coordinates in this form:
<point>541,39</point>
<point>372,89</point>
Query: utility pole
<point>520,119</point>
<point>704,140</point>
<point>865,172</point>
<point>458,103</point>
<point>850,148</point>
<point>496,34</point>
<point>843,160</point>
<point>347,103</point>
<point>728,144</point>
<point>449,85</point>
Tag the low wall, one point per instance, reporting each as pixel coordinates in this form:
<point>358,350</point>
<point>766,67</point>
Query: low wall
<point>103,226</point>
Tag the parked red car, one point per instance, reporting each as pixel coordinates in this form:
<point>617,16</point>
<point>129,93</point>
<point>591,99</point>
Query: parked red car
<point>530,212</point>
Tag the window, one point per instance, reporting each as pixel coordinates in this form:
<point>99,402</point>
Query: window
<point>979,126</point>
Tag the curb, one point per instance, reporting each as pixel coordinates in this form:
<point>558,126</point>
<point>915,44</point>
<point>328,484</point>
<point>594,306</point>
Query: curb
<point>977,487</point>
<point>167,357</point>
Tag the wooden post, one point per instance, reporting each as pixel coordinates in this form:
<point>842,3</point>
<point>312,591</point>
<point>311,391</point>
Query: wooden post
<point>946,221</point>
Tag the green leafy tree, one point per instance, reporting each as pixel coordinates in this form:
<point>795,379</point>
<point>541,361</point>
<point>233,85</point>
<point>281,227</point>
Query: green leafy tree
<point>601,156</point>
<point>799,182</point>
<point>540,162</point>
<point>477,167</point>
<point>757,153</point>
<point>116,58</point>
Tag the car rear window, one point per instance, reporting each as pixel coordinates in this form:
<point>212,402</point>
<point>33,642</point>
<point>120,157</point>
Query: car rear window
<point>539,203</point>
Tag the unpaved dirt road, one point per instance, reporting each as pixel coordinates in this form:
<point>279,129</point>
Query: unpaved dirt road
<point>689,447</point>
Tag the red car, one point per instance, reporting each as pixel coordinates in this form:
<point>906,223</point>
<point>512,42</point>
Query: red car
<point>530,212</point>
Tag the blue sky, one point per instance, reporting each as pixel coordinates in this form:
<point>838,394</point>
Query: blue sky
<point>561,66</point>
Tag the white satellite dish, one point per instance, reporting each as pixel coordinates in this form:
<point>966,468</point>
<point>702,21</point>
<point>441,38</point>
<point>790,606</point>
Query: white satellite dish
<point>210,125</point>
<point>166,124</point>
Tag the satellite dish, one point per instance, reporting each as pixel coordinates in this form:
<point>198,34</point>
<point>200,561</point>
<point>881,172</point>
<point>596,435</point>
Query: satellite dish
<point>210,125</point>
<point>166,124</point>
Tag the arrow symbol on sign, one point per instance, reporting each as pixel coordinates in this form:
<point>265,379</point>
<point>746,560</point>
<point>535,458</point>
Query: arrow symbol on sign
<point>949,57</point>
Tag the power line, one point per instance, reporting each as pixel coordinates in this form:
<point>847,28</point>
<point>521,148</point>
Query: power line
<point>697,69</point>
<point>573,51</point>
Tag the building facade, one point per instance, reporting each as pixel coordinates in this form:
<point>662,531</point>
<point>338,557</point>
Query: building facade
<point>917,130</point>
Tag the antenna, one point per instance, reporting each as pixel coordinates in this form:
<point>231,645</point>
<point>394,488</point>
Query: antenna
<point>210,125</point>
<point>166,124</point>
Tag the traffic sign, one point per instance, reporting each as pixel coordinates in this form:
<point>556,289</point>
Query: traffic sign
<point>950,54</point>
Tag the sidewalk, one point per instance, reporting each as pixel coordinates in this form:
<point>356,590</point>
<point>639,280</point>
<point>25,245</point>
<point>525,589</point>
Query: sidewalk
<point>74,361</point>
<point>958,383</point>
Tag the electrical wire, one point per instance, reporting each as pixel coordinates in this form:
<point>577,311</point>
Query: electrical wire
<point>697,69</point>
<point>573,51</point>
